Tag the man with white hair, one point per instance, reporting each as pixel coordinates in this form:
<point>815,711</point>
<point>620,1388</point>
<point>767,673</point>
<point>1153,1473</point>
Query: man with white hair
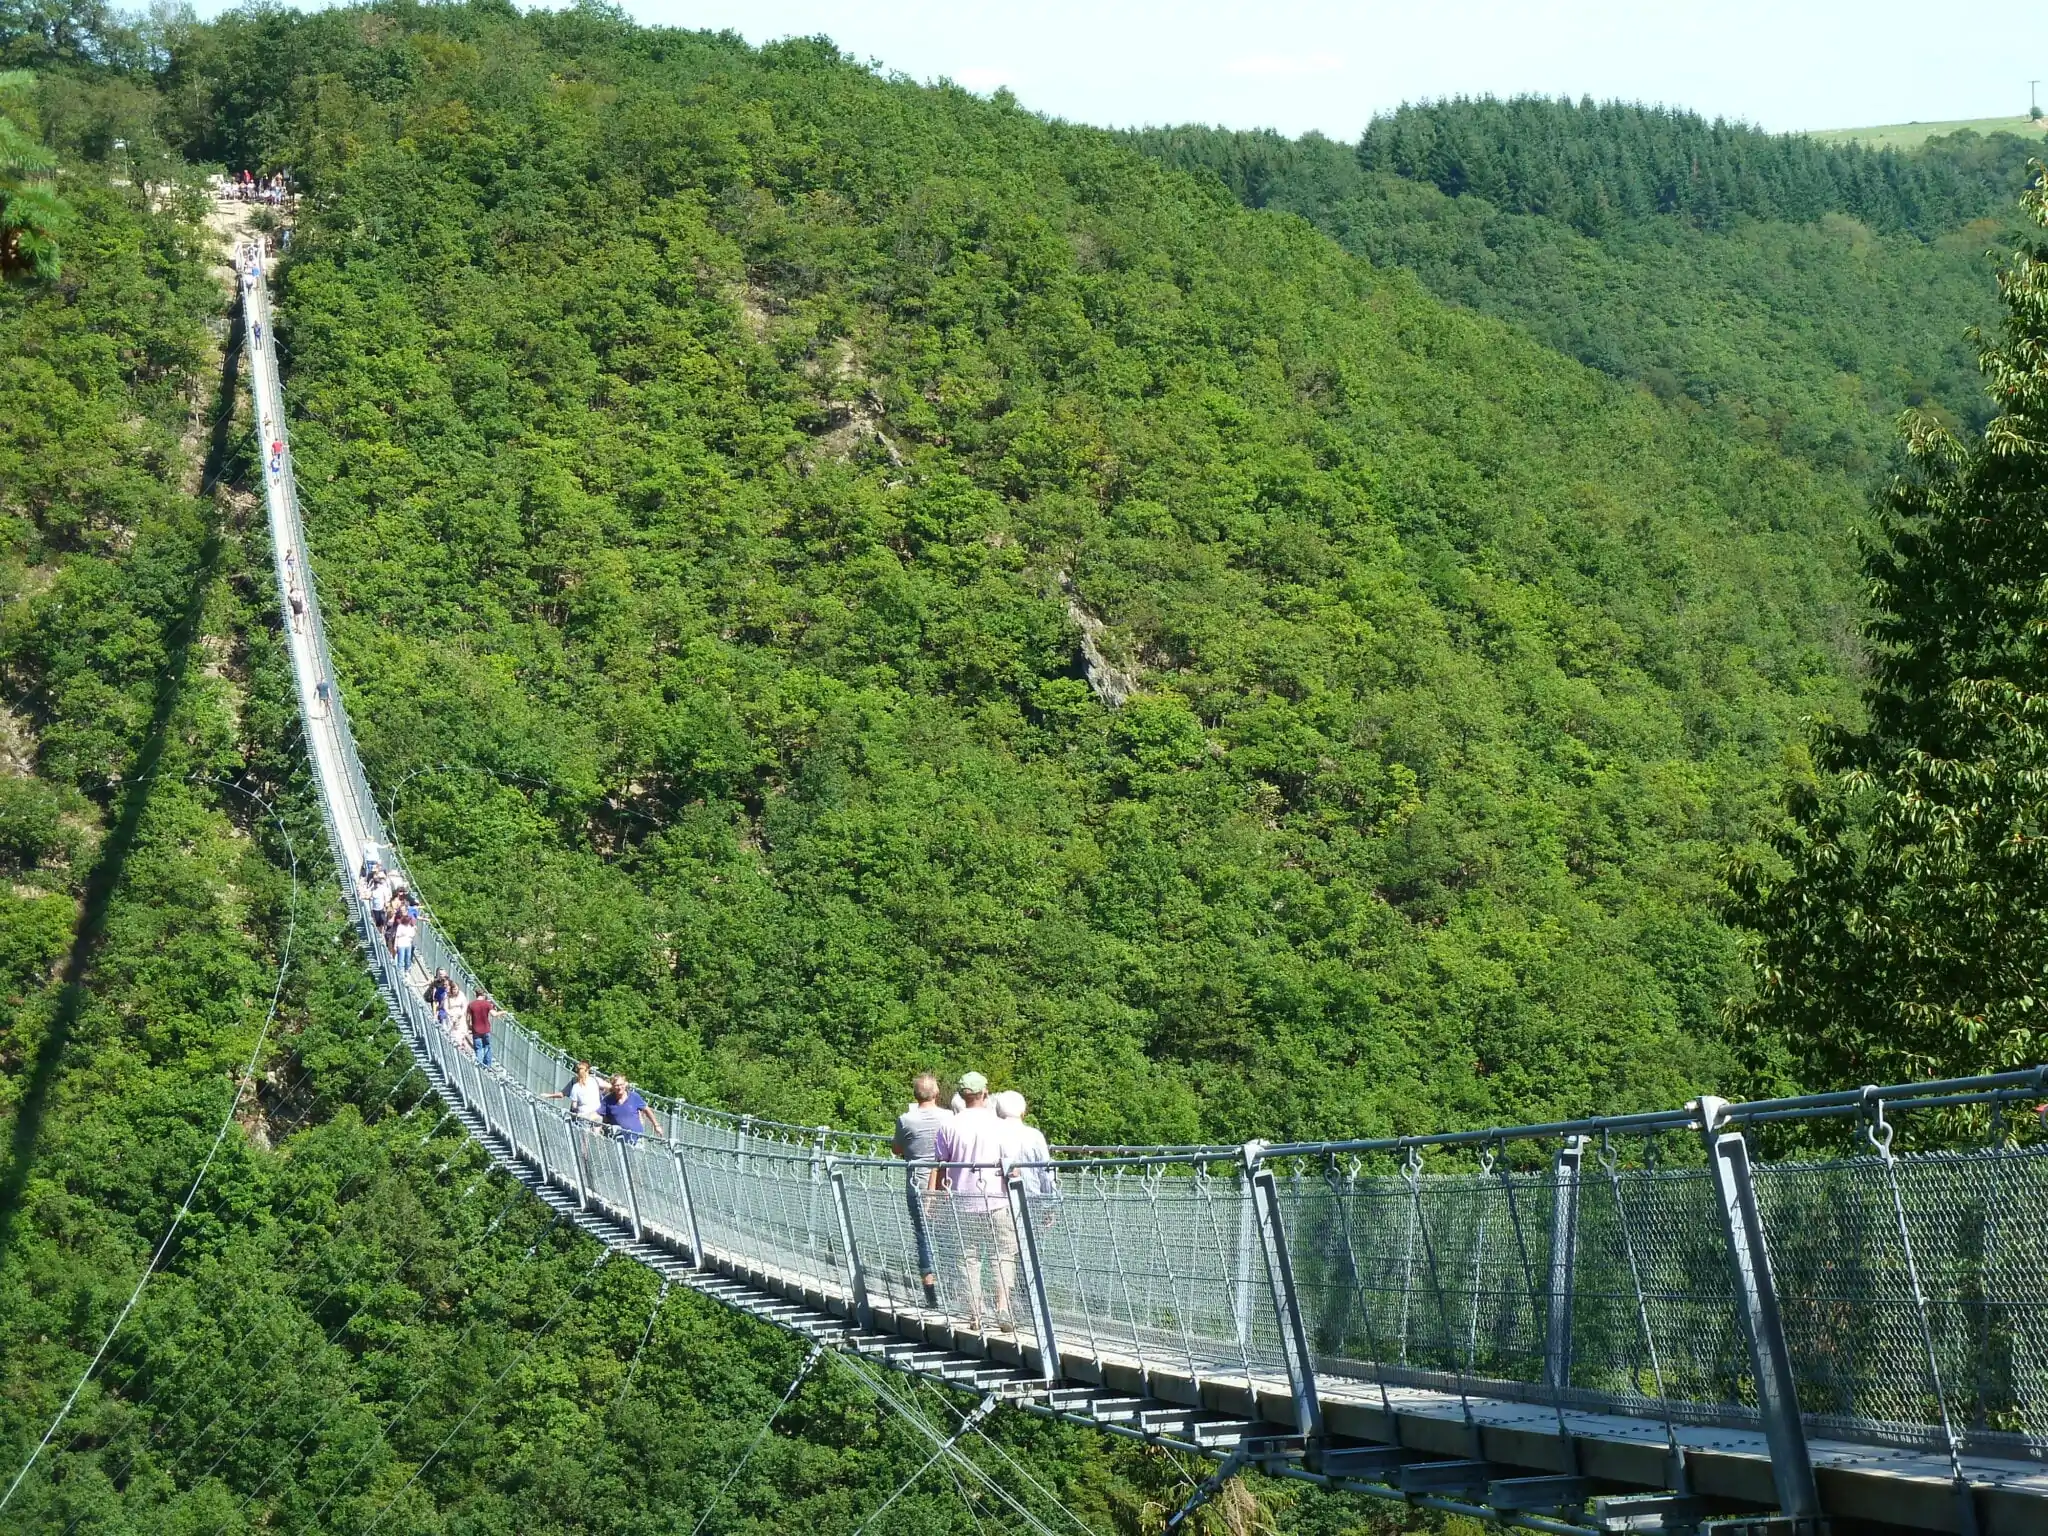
<point>1025,1147</point>
<point>972,1151</point>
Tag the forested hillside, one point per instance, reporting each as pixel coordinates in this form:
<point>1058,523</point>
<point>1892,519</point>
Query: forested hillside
<point>1781,291</point>
<point>722,438</point>
<point>833,577</point>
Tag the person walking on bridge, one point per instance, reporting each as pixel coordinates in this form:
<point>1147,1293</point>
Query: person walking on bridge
<point>480,1010</point>
<point>1025,1146</point>
<point>586,1098</point>
<point>917,1142</point>
<point>404,931</point>
<point>440,994</point>
<point>624,1110</point>
<point>971,1149</point>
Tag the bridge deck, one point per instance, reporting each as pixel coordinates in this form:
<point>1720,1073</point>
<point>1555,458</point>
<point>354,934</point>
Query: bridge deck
<point>1215,1407</point>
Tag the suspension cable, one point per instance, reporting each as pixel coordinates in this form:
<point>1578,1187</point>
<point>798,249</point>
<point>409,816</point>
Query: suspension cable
<point>947,1447</point>
<point>220,1200</point>
<point>227,1120</point>
<point>193,1389</point>
<point>327,1417</point>
<point>646,1333</point>
<point>260,1371</point>
<point>931,1432</point>
<point>222,1197</point>
<point>489,1387</point>
<point>1018,1467</point>
<point>817,1353</point>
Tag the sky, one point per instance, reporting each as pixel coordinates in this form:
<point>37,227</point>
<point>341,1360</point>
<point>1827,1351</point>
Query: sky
<point>1298,65</point>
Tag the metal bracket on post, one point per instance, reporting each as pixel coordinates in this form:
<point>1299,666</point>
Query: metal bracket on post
<point>1564,1243</point>
<point>1756,1302</point>
<point>1035,1293</point>
<point>689,1206</point>
<point>856,1275</point>
<point>632,1186</point>
<point>1264,1193</point>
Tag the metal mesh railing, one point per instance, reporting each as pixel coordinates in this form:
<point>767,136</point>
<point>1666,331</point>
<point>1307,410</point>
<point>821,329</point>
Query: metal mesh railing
<point>1602,1283</point>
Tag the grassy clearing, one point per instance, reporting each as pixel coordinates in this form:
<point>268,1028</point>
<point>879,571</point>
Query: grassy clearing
<point>1913,135</point>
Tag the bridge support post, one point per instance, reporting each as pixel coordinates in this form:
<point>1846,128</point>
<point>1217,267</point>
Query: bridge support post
<point>689,1207</point>
<point>579,1157</point>
<point>1756,1303</point>
<point>1264,1192</point>
<point>540,1145</point>
<point>1564,1243</point>
<point>856,1274</point>
<point>1035,1293</point>
<point>626,1161</point>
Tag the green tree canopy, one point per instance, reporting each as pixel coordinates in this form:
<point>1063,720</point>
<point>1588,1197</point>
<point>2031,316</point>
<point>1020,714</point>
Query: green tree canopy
<point>1904,931</point>
<point>30,209</point>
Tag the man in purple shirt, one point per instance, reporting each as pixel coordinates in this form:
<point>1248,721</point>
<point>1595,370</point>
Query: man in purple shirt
<point>973,1149</point>
<point>623,1109</point>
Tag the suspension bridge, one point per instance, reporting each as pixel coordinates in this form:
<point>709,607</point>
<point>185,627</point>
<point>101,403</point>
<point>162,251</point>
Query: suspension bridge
<point>1632,1323</point>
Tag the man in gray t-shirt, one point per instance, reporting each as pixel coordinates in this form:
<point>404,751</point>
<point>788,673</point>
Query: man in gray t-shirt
<point>917,1140</point>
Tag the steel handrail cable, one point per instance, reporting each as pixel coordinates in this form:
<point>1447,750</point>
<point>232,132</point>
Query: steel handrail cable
<point>241,1085</point>
<point>680,1108</point>
<point>346,785</point>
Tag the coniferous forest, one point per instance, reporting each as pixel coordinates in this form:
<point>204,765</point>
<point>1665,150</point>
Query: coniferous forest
<point>835,577</point>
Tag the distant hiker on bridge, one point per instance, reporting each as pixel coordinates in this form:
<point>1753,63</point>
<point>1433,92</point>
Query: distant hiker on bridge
<point>323,691</point>
<point>298,601</point>
<point>586,1098</point>
<point>396,911</point>
<point>971,1148</point>
<point>480,1010</point>
<point>403,933</point>
<point>440,996</point>
<point>624,1110</point>
<point>378,893</point>
<point>917,1141</point>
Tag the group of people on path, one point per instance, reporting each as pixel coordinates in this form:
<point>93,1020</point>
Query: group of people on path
<point>617,1103</point>
<point>961,1161</point>
<point>274,189</point>
<point>468,1021</point>
<point>396,913</point>
<point>295,594</point>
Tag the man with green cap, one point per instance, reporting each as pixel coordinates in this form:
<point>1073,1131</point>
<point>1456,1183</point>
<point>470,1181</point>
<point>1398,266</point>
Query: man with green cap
<point>971,1154</point>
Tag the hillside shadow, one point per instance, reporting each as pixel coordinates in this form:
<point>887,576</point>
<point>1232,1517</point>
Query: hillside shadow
<point>112,862</point>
